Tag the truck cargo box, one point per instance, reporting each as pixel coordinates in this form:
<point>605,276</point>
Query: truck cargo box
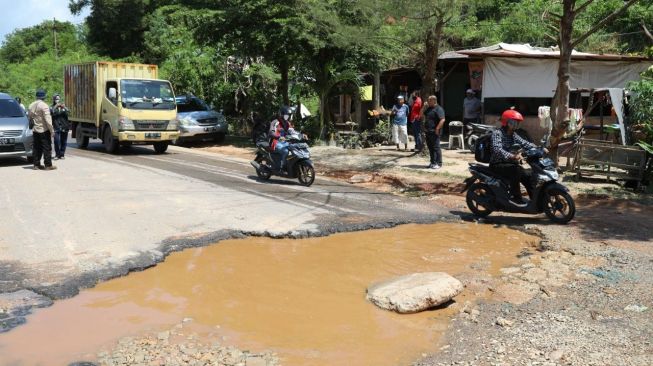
<point>83,85</point>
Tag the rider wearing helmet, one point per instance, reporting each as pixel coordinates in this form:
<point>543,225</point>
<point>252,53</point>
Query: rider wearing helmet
<point>505,163</point>
<point>279,129</point>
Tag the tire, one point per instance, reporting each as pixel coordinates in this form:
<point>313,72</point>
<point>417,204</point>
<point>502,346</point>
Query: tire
<point>558,206</point>
<point>30,159</point>
<point>219,138</point>
<point>480,192</point>
<point>110,143</point>
<point>82,141</point>
<point>160,147</point>
<point>305,173</point>
<point>264,173</point>
<point>471,143</point>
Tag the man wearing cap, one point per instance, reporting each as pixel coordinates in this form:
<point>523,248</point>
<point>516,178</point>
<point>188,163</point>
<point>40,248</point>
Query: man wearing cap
<point>471,108</point>
<point>39,113</point>
<point>400,123</point>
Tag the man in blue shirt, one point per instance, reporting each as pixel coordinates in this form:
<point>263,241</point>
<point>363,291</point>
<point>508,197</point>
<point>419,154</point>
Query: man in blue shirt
<point>400,123</point>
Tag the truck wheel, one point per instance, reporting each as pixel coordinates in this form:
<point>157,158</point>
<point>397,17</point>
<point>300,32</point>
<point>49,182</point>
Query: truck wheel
<point>110,143</point>
<point>160,147</point>
<point>82,141</point>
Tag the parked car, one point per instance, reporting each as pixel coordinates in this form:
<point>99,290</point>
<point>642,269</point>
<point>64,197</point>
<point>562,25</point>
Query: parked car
<point>198,121</point>
<point>15,134</point>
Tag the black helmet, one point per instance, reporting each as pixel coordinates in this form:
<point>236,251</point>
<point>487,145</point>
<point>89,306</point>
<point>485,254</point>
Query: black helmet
<point>285,112</point>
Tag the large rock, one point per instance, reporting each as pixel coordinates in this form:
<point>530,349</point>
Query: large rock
<point>414,292</point>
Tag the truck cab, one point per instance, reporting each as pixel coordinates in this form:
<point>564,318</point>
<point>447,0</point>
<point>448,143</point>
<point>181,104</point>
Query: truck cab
<point>122,104</point>
<point>139,111</point>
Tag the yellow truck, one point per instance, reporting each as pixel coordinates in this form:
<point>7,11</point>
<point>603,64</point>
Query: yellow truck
<point>122,104</point>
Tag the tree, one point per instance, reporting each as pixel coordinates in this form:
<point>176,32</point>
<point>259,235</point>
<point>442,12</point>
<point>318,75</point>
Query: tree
<point>116,27</point>
<point>428,20</point>
<point>567,40</point>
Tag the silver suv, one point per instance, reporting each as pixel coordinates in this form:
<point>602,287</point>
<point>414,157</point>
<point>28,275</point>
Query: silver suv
<point>198,121</point>
<point>15,134</point>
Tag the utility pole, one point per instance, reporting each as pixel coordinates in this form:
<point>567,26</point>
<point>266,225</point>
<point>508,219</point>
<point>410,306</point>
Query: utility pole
<point>54,29</point>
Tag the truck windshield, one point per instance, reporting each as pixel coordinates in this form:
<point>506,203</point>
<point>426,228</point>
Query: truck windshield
<point>147,94</point>
<point>10,109</point>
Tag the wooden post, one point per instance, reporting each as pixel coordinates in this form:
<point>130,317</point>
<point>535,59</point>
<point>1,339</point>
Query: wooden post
<point>376,97</point>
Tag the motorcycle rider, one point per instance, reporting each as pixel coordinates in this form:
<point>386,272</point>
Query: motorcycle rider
<point>507,164</point>
<point>279,129</point>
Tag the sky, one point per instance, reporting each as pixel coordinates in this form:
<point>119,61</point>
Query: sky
<point>26,13</point>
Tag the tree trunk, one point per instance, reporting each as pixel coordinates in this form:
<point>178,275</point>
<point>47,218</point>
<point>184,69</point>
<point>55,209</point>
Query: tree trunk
<point>560,102</point>
<point>431,52</point>
<point>376,98</point>
<point>283,83</point>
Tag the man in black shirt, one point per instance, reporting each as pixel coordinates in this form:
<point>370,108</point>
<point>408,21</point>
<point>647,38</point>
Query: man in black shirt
<point>433,117</point>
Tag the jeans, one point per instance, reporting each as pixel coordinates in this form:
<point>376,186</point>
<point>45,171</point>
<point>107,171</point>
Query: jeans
<point>42,148</point>
<point>417,133</point>
<point>60,142</point>
<point>281,149</point>
<point>433,143</point>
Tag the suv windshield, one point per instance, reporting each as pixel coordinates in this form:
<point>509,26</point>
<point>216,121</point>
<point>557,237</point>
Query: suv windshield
<point>147,94</point>
<point>9,108</point>
<point>191,105</point>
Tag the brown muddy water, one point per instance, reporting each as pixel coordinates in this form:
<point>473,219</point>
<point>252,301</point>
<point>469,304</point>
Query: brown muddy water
<point>304,299</point>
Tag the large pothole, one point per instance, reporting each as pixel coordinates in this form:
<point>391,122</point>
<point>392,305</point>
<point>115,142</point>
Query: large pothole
<point>303,299</point>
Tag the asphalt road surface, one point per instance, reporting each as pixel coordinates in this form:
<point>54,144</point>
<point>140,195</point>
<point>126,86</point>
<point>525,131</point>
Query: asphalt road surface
<point>99,216</point>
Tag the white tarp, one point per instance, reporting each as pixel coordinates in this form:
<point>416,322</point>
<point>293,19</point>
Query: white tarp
<point>536,78</point>
<point>617,98</point>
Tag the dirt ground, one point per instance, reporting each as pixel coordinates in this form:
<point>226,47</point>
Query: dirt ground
<point>582,296</point>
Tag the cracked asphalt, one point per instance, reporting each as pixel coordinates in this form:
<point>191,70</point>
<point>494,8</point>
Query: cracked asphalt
<point>101,216</point>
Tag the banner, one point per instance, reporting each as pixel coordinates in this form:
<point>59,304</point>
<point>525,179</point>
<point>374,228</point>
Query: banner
<point>476,75</point>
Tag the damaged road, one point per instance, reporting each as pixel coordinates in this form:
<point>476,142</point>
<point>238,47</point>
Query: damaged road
<point>101,216</point>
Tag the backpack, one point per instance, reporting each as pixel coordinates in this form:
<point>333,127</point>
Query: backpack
<point>483,148</point>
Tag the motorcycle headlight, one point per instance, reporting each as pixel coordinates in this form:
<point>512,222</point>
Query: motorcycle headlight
<point>553,174</point>
<point>125,123</point>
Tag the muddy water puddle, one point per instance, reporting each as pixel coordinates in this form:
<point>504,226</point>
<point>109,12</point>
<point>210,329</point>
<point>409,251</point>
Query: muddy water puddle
<point>304,299</point>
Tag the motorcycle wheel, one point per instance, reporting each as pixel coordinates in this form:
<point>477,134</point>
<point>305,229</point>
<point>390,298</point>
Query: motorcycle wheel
<point>263,172</point>
<point>305,173</point>
<point>559,207</point>
<point>479,197</point>
<point>471,143</point>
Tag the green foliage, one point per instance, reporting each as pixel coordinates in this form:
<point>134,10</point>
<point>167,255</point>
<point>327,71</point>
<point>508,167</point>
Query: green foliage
<point>28,60</point>
<point>25,44</point>
<point>641,110</point>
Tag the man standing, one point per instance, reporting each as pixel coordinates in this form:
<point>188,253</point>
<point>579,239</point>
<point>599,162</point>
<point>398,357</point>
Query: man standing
<point>61,126</point>
<point>471,108</point>
<point>39,113</point>
<point>433,116</point>
<point>415,119</point>
<point>400,123</point>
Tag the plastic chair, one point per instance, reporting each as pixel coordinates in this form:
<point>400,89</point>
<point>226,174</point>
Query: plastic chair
<point>456,133</point>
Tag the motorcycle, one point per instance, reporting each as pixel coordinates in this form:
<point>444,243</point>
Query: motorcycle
<point>487,192</point>
<point>474,131</point>
<point>298,164</point>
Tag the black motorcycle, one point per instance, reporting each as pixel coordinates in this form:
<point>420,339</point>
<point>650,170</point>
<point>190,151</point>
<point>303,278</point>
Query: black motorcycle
<point>474,131</point>
<point>298,164</point>
<point>488,192</point>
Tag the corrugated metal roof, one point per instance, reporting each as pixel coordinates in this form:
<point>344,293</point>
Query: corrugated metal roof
<point>528,51</point>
